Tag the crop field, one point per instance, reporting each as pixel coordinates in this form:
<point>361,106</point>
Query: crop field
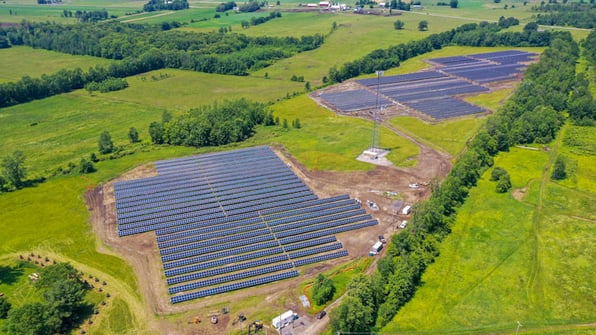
<point>528,263</point>
<point>21,61</point>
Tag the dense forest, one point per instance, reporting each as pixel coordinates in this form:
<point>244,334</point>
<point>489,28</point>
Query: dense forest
<point>141,48</point>
<point>579,15</point>
<point>527,117</point>
<point>471,34</point>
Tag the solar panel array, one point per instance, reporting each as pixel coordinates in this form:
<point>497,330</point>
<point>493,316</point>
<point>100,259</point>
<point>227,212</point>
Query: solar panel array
<point>349,101</point>
<point>486,67</point>
<point>434,92</point>
<point>231,220</point>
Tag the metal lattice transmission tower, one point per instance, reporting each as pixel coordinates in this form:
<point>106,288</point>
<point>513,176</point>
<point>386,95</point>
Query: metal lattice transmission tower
<point>374,145</point>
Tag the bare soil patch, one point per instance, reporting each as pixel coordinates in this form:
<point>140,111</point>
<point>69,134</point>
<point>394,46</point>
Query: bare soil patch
<point>520,194</point>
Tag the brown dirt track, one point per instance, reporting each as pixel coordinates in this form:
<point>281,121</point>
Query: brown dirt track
<point>142,253</point>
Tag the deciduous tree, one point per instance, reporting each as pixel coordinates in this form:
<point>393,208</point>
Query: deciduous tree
<point>399,25</point>
<point>322,290</point>
<point>133,135</point>
<point>13,167</point>
<point>106,145</point>
<point>559,169</point>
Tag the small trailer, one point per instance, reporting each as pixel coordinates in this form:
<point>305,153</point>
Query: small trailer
<point>282,320</point>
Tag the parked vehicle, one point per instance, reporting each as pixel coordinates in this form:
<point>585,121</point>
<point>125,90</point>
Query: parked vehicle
<point>282,320</point>
<point>321,314</point>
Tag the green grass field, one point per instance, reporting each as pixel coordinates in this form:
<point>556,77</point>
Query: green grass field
<point>39,61</point>
<point>510,260</point>
<point>450,136</point>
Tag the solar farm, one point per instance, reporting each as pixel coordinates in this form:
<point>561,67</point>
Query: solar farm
<point>232,220</point>
<point>435,92</point>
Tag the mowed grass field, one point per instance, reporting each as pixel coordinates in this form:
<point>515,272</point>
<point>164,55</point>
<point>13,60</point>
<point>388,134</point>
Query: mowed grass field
<point>526,258</point>
<point>39,61</point>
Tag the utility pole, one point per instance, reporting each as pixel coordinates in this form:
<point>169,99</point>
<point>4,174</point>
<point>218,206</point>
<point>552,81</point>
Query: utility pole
<point>375,133</point>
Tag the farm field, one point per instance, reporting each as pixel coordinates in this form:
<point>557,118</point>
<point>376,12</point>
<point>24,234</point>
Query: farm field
<point>528,263</point>
<point>39,61</point>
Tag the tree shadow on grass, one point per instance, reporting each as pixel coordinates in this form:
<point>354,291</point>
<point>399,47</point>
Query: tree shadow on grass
<point>10,275</point>
<point>33,182</point>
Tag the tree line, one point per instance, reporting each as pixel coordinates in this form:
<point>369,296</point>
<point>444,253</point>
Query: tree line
<point>154,5</point>
<point>471,34</point>
<point>141,48</point>
<point>574,14</point>
<point>527,117</point>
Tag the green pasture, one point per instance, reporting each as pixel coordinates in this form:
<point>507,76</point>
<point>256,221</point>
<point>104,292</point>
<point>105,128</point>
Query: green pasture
<point>578,150</point>
<point>183,90</point>
<point>20,61</point>
<point>65,128</point>
<point>360,34</point>
<point>450,136</point>
<point>15,11</point>
<point>492,100</point>
<point>511,260</point>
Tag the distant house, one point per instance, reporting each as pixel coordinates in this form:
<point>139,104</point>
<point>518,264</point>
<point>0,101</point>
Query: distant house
<point>324,4</point>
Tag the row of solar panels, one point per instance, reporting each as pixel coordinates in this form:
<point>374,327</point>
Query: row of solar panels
<point>192,190</point>
<point>234,286</point>
<point>289,230</point>
<point>271,208</point>
<point>445,107</point>
<point>243,225</point>
<point>231,222</point>
<point>201,164</point>
<point>349,101</point>
<point>248,252</point>
<point>173,182</point>
<point>238,154</point>
<point>247,274</point>
<point>254,240</point>
<point>207,199</point>
<point>158,222</point>
<point>410,77</point>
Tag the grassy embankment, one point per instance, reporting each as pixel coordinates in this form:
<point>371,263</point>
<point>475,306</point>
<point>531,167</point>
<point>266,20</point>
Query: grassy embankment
<point>520,256</point>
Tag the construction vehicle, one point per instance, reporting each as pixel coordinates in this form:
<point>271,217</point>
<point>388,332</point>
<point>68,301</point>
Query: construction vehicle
<point>254,327</point>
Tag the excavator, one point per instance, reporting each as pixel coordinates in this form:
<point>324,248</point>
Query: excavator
<point>254,327</point>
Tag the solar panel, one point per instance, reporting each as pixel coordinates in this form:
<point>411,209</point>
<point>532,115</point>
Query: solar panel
<point>234,286</point>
